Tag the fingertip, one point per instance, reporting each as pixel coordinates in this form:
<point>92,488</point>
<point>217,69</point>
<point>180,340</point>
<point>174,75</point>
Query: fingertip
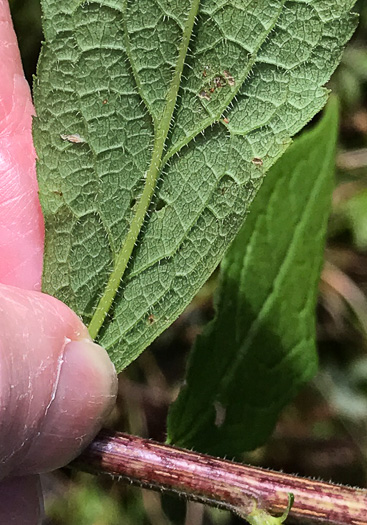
<point>85,395</point>
<point>86,365</point>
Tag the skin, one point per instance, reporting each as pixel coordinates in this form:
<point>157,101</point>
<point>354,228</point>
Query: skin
<point>56,385</point>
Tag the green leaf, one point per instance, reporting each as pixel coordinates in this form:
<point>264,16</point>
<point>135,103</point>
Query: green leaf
<point>252,358</point>
<point>151,118</point>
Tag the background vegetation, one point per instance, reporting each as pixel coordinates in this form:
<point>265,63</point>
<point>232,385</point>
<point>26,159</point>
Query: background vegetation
<point>324,432</point>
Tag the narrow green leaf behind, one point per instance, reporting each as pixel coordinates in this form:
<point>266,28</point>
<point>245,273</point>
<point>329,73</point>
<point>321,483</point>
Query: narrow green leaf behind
<point>260,348</point>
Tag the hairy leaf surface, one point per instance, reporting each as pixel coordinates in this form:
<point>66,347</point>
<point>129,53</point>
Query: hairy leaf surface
<point>156,122</point>
<point>252,358</point>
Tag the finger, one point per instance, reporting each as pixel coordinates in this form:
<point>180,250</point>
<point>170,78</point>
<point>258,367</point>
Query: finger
<point>21,501</point>
<point>53,403</point>
<point>21,221</point>
<point>84,397</point>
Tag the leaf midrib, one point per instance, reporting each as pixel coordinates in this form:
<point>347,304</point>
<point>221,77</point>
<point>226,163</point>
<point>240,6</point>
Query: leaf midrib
<point>160,136</point>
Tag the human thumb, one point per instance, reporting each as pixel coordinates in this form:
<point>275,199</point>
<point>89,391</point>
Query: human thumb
<point>56,385</point>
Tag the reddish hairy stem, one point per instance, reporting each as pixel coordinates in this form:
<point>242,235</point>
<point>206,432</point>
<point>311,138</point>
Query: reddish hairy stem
<point>233,486</point>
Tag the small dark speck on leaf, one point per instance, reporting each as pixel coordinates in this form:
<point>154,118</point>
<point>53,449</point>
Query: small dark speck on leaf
<point>105,101</point>
<point>151,319</point>
<point>229,78</point>
<point>204,94</point>
<point>218,82</point>
<point>257,161</point>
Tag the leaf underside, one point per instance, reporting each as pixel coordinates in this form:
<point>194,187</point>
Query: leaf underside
<point>260,348</point>
<point>152,116</point>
